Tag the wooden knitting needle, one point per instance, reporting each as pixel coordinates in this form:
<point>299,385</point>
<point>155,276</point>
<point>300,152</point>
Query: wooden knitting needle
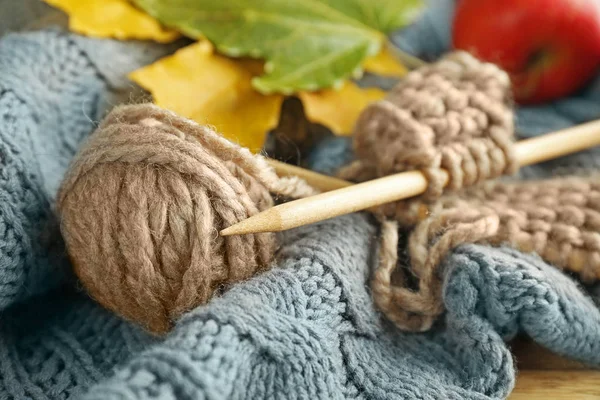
<point>403,185</point>
<point>319,181</point>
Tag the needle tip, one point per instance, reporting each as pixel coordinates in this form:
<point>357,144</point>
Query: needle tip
<point>266,221</point>
<point>228,231</point>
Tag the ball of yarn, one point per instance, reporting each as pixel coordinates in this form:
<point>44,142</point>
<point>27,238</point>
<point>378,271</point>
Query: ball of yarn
<point>141,208</point>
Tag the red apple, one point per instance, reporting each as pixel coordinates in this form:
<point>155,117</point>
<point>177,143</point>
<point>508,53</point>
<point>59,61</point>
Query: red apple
<point>550,48</point>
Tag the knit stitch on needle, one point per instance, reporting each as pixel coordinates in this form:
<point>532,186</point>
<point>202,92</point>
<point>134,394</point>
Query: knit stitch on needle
<point>453,115</point>
<point>430,37</point>
<point>407,133</point>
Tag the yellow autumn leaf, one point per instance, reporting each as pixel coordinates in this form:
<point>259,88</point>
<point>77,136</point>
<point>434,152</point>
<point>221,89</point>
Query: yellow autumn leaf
<point>339,109</point>
<point>117,19</point>
<point>211,89</point>
<point>385,64</point>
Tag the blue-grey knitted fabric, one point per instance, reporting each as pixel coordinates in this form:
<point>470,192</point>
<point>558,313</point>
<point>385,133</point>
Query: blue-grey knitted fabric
<point>56,346</point>
<point>308,330</point>
<point>53,86</point>
<point>305,329</point>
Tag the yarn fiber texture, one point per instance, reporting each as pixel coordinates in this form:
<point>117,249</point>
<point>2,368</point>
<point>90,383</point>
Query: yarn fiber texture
<point>559,219</point>
<point>455,114</point>
<point>141,208</point>
<point>51,91</point>
<point>306,329</point>
<point>429,37</point>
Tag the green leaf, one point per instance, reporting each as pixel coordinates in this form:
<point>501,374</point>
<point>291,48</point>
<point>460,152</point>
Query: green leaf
<point>307,44</point>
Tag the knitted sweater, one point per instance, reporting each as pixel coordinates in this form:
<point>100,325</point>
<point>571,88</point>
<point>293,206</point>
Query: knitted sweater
<point>53,87</point>
<point>305,329</point>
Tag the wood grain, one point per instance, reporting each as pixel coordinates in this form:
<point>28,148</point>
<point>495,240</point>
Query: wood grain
<point>544,375</point>
<point>531,356</point>
<point>316,180</point>
<point>557,385</point>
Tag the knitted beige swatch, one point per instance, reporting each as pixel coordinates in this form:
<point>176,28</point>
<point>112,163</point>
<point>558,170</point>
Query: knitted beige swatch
<point>454,115</point>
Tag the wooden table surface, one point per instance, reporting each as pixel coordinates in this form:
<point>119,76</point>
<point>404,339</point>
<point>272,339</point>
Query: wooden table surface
<point>544,375</point>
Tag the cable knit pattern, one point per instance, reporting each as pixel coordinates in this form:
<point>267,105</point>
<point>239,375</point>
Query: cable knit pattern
<point>308,329</point>
<point>528,296</point>
<point>51,92</point>
<point>54,347</point>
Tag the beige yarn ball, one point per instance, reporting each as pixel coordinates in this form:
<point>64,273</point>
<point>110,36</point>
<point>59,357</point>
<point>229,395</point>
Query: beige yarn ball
<point>141,208</point>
